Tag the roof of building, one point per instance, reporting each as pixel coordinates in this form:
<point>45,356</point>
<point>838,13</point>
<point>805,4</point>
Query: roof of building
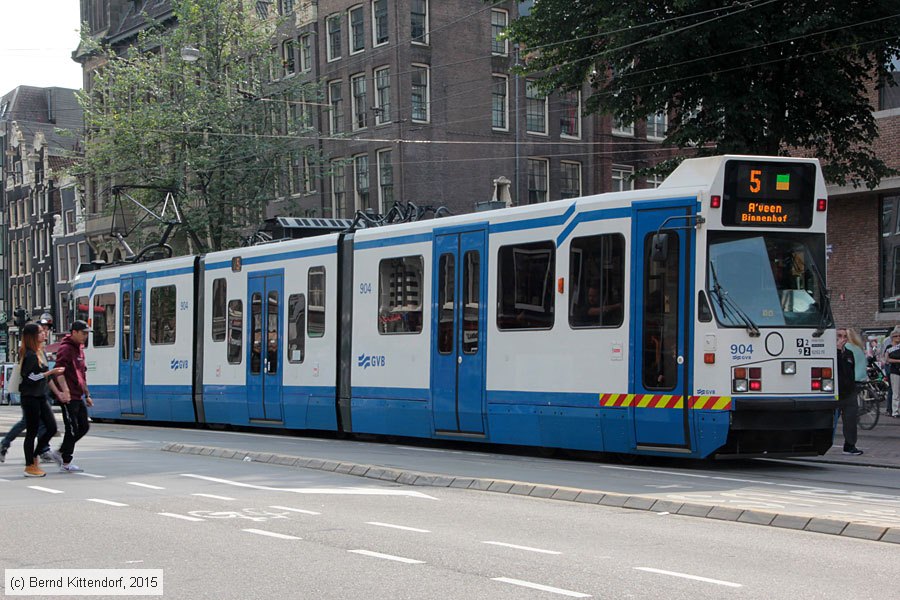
<point>53,111</point>
<point>135,18</point>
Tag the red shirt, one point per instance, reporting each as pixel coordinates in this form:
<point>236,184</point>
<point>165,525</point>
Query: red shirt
<point>71,356</point>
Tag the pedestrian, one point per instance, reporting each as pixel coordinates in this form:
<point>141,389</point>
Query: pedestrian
<point>892,359</point>
<point>70,357</point>
<point>846,372</point>
<point>33,390</point>
<point>857,346</point>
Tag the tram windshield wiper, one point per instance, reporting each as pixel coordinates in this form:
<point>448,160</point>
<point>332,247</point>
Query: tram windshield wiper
<point>729,307</point>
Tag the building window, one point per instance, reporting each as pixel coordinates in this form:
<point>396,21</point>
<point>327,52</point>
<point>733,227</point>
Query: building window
<point>287,57</point>
<point>62,263</point>
<point>500,102</point>
<point>382,96</point>
<point>285,7</point>
<point>358,101</point>
<point>597,281</point>
<point>570,114</point>
<point>70,222</point>
<point>656,126</point>
<point>219,306</point>
<point>73,260</point>
<point>385,181</point>
<point>890,255</point>
<point>622,128</point>
<point>336,102</point>
<point>316,287</point>
<point>419,21</point>
<point>570,179</point>
<point>622,178</point>
<point>889,95</point>
<point>535,109</point>
<point>333,37</point>
<point>84,253</point>
<point>338,206</point>
<point>296,328</point>
<point>654,181</point>
<point>537,180</point>
<point>420,100</point>
<point>400,295</point>
<point>379,22</point>
<point>499,21</point>
<point>104,323</point>
<point>357,30</point>
<point>525,290</point>
<point>361,182</point>
<point>162,315</point>
<point>306,53</point>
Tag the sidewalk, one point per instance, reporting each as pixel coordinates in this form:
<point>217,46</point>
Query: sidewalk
<point>881,446</point>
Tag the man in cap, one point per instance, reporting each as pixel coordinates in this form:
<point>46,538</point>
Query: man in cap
<point>70,356</point>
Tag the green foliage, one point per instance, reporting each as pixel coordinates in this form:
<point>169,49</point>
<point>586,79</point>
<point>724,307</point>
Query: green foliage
<point>221,130</point>
<point>752,77</point>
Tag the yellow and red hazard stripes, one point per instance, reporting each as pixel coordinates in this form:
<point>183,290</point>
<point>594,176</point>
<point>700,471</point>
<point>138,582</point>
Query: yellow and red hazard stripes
<point>664,401</point>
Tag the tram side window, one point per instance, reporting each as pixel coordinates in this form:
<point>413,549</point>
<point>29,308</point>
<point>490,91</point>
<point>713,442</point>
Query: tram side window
<point>525,298</point>
<point>296,327</point>
<point>316,319</point>
<point>400,295</point>
<point>219,299</point>
<point>235,331</point>
<point>597,281</point>
<point>104,323</point>
<point>162,315</point>
<point>82,312</point>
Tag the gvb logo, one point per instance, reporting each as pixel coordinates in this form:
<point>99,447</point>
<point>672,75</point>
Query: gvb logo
<point>366,360</point>
<point>177,365</point>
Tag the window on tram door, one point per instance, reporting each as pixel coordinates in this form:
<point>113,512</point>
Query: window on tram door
<point>446,303</point>
<point>137,338</point>
<point>256,333</point>
<point>104,323</point>
<point>597,281</point>
<point>471,301</point>
<point>525,295</point>
<point>296,328</point>
<point>660,319</point>
<point>82,312</point>
<point>272,337</point>
<point>126,325</point>
<point>235,331</point>
<point>316,289</point>
<point>162,315</point>
<point>219,300</point>
<point>400,295</point>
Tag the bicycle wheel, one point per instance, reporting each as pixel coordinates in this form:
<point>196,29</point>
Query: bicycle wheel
<point>868,408</point>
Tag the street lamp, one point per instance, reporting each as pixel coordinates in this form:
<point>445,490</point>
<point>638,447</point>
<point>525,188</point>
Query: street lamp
<point>190,54</point>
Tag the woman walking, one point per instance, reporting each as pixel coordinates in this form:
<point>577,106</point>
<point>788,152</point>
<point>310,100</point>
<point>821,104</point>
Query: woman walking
<point>33,390</point>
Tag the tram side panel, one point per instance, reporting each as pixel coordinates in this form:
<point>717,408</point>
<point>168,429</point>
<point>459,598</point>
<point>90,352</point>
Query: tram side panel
<point>98,306</point>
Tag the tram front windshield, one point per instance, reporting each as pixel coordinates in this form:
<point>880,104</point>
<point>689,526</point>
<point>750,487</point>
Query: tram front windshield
<point>772,279</point>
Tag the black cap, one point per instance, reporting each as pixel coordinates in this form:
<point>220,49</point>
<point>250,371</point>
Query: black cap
<point>81,326</point>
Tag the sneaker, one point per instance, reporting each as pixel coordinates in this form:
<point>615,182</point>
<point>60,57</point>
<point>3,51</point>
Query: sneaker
<point>853,451</point>
<point>52,456</point>
<point>2,455</point>
<point>33,470</point>
<point>73,468</point>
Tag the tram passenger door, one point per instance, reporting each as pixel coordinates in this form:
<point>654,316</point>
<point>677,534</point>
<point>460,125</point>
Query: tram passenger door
<point>661,288</point>
<point>264,361</point>
<point>458,347</point>
<point>131,345</point>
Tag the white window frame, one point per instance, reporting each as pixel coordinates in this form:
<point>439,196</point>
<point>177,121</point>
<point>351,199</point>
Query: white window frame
<point>287,70</point>
<point>383,110</point>
<point>505,13</point>
<point>330,57</point>
<point>305,50</point>
<point>623,174</point>
<point>350,36</point>
<point>332,129</point>
<point>656,135</point>
<point>654,181</point>
<point>546,110</point>
<point>494,77</point>
<point>427,68</point>
<point>379,163</point>
<point>338,163</point>
<point>577,165</point>
<point>354,109</point>
<point>577,135</point>
<point>357,199</point>
<point>423,40</point>
<point>387,13</point>
<point>546,168</point>
<point>622,129</point>
<point>62,263</point>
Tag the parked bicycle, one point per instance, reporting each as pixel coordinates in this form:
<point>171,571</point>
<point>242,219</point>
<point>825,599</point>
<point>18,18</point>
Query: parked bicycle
<point>871,394</point>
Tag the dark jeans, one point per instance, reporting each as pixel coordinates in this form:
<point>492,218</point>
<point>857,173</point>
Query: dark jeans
<point>849,418</point>
<point>75,420</point>
<point>17,429</point>
<point>37,411</point>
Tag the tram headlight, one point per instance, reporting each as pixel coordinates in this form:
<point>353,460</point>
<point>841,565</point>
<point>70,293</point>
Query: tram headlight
<point>788,367</point>
<point>740,385</point>
<point>828,385</point>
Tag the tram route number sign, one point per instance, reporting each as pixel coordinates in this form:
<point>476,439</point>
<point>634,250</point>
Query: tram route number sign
<point>768,194</point>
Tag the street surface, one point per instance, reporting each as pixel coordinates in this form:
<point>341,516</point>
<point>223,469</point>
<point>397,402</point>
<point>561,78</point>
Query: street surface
<point>224,528</point>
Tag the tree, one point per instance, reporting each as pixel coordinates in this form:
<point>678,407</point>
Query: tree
<point>757,77</point>
<point>228,132</point>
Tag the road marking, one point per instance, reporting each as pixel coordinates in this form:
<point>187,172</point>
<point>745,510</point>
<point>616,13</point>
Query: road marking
<point>92,475</point>
<point>349,491</point>
<point>296,510</point>
<point>409,561</point>
<point>109,502</point>
<point>175,516</point>
<point>4,480</point>
<point>145,485</point>
<point>213,496</point>
<point>280,536</point>
<point>543,588</point>
<point>686,576</point>
<point>403,527</point>
<point>43,489</point>
<point>528,548</point>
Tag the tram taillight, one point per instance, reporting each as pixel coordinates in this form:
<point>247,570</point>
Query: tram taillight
<point>715,201</point>
<point>821,204</point>
<point>743,383</point>
<point>821,379</point>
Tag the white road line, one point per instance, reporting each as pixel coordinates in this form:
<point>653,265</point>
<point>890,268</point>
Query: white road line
<point>280,536</point>
<point>175,516</point>
<point>109,502</point>
<point>403,527</point>
<point>686,576</point>
<point>409,561</point>
<point>528,548</point>
<point>543,588</point>
<point>4,480</point>
<point>43,489</point>
<point>213,496</point>
<point>296,510</point>
<point>349,491</point>
<point>145,485</point>
<point>92,475</point>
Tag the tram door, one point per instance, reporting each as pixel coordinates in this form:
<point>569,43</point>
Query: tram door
<point>131,344</point>
<point>264,360</point>
<point>662,258</point>
<point>458,309</point>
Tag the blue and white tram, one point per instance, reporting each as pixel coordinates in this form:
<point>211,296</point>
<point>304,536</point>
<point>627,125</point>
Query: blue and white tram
<point>688,320</point>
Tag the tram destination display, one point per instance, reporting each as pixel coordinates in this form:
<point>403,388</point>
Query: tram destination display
<point>768,194</point>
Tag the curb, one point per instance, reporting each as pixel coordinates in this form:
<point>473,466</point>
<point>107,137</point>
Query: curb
<point>873,533</point>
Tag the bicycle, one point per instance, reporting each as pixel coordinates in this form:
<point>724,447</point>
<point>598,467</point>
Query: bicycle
<point>870,396</point>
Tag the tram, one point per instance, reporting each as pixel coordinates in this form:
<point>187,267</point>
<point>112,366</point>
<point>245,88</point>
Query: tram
<point>689,320</point>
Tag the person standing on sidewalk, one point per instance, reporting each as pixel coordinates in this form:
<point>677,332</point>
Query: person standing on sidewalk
<point>70,357</point>
<point>33,389</point>
<point>846,372</point>
<point>892,360</point>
